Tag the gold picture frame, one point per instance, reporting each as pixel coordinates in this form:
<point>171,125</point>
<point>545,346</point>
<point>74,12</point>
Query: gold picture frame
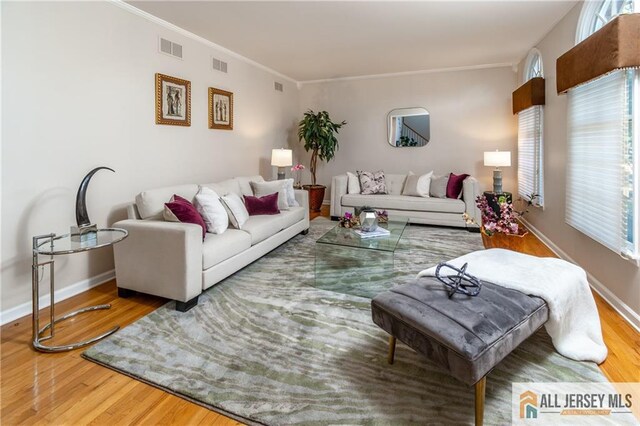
<point>220,109</point>
<point>173,100</point>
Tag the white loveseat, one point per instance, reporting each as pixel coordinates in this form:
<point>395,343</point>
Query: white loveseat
<point>170,259</point>
<point>423,210</point>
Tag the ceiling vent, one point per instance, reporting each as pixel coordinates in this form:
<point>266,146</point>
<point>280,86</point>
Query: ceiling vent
<point>219,65</point>
<point>170,48</point>
<point>278,86</point>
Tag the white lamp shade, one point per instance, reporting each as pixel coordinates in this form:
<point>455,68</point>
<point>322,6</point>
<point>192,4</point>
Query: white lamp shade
<point>497,158</point>
<point>281,157</point>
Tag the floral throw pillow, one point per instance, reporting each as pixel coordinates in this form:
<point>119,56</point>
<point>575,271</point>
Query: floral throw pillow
<point>372,183</point>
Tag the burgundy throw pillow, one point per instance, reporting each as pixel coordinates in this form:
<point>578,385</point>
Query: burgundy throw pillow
<point>262,205</point>
<point>454,186</point>
<point>186,212</point>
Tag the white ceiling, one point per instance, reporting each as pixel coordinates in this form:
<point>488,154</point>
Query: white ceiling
<point>309,40</point>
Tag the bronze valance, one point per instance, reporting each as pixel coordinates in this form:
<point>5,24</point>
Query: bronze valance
<point>529,94</point>
<point>614,46</point>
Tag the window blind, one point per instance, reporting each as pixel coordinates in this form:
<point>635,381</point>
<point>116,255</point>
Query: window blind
<point>530,153</point>
<point>599,133</point>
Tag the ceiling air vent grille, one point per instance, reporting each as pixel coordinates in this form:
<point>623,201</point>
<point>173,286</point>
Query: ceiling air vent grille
<point>278,86</point>
<point>219,65</point>
<point>170,48</point>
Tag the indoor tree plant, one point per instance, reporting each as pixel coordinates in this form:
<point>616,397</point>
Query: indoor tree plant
<point>319,135</point>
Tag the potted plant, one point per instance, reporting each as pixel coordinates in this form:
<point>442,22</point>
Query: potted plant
<point>319,135</point>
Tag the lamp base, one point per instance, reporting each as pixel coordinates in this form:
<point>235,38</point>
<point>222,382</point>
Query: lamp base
<point>281,173</point>
<point>497,181</point>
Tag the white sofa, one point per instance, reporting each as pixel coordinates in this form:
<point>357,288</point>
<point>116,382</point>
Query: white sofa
<point>170,259</point>
<point>423,210</point>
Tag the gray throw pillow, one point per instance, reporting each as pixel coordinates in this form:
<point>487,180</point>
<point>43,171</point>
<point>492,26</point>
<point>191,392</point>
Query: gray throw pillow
<point>438,187</point>
<point>372,183</point>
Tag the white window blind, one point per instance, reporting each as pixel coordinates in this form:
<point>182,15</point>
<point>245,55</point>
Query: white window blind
<point>599,133</point>
<point>530,153</point>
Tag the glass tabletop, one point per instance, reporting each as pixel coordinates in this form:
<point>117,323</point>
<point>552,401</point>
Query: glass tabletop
<point>64,244</point>
<point>347,237</point>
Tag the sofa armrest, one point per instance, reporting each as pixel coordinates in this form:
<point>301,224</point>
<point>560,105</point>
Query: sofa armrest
<point>302,197</point>
<point>338,189</point>
<point>160,258</point>
<point>471,191</point>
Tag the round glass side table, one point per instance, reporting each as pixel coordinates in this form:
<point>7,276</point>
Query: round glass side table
<point>54,245</point>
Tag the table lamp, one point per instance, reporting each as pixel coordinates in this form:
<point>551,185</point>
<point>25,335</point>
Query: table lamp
<point>497,159</point>
<point>281,158</point>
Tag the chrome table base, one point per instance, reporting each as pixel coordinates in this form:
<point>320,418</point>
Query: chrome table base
<point>37,332</point>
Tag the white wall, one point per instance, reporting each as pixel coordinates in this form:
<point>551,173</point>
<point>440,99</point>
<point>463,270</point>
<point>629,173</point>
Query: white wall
<point>620,277</point>
<point>470,113</point>
<point>78,92</point>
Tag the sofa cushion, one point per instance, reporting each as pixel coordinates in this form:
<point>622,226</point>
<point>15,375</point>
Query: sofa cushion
<point>260,189</point>
<point>353,184</point>
<point>236,210</point>
<point>372,182</point>
<point>185,212</point>
<point>454,185</point>
<point>291,216</point>
<point>150,203</point>
<point>262,227</point>
<point>262,205</point>
<point>219,247</point>
<point>395,183</point>
<point>438,187</point>
<point>404,202</point>
<point>244,182</point>
<point>212,211</point>
<point>226,187</point>
<point>417,186</point>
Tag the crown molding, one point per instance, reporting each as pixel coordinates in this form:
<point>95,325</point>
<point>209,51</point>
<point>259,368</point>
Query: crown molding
<point>149,17</point>
<point>408,73</point>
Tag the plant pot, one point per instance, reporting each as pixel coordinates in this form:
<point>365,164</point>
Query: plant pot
<point>316,196</point>
<point>513,242</point>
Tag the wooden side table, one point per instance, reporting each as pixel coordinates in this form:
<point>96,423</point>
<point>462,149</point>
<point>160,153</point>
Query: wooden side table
<point>52,245</point>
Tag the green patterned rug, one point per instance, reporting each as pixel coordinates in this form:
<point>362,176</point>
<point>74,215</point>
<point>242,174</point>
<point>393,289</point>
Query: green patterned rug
<point>265,346</point>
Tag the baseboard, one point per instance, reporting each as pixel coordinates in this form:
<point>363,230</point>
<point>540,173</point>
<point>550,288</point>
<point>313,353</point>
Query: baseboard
<point>628,314</point>
<point>60,295</point>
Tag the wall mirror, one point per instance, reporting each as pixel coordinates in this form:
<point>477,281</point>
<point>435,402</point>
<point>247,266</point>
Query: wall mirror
<point>408,127</point>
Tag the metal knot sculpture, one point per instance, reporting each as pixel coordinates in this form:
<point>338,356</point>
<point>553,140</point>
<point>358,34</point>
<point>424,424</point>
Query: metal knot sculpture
<point>462,282</point>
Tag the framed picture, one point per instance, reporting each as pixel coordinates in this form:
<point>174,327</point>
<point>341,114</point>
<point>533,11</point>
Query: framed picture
<point>173,101</point>
<point>220,109</point>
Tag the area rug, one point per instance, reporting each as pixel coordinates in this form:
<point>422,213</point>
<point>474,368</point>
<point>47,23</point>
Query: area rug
<point>266,346</point>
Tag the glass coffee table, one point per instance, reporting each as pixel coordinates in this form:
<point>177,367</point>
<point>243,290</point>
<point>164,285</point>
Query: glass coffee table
<point>348,263</point>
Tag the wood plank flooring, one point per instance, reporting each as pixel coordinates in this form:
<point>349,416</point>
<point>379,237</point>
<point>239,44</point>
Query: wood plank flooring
<point>64,389</point>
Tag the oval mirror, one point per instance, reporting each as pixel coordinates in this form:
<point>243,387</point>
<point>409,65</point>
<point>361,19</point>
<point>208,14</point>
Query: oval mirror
<point>408,127</point>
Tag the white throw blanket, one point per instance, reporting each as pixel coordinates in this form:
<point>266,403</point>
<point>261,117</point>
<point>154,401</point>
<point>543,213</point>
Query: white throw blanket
<point>574,324</point>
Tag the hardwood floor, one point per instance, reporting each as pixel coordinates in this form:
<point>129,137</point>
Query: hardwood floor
<point>37,388</point>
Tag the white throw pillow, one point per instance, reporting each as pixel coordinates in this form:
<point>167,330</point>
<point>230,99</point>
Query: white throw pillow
<point>238,213</point>
<point>417,186</point>
<point>212,211</point>
<point>290,193</point>
<point>260,189</point>
<point>353,183</point>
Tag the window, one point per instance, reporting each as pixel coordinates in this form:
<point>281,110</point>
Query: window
<point>530,159</point>
<point>602,168</point>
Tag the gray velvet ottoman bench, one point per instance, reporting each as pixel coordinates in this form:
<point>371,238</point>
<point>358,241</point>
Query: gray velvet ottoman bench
<point>467,336</point>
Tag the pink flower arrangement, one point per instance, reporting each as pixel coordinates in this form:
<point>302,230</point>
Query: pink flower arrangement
<point>297,168</point>
<point>506,222</point>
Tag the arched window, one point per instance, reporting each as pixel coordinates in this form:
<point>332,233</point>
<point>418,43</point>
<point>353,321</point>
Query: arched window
<point>595,14</point>
<point>530,135</point>
<point>603,133</point>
